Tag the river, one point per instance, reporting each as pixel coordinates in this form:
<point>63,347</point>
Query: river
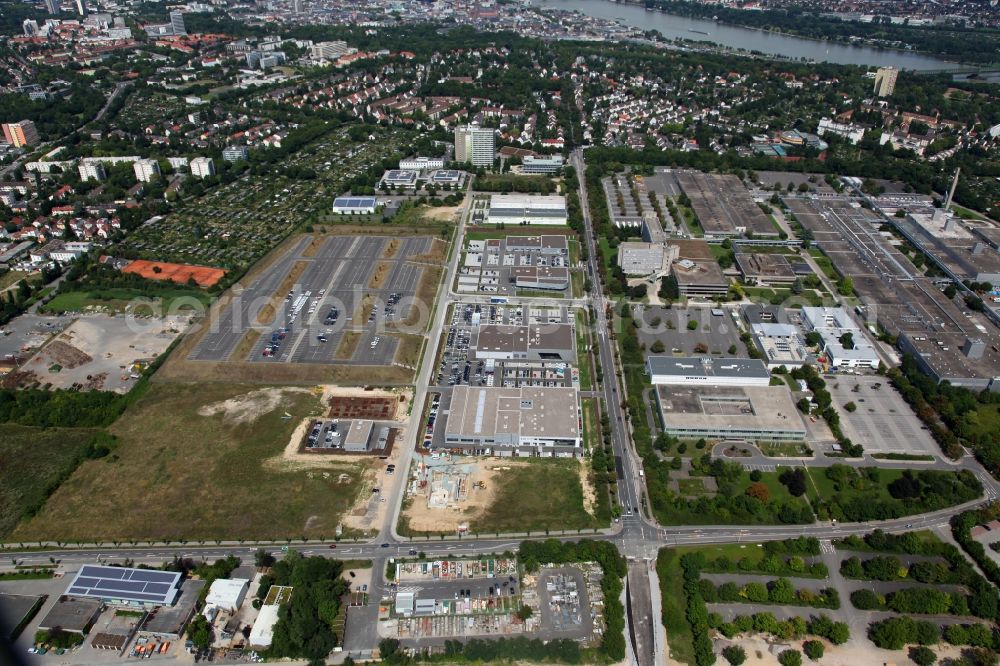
<point>672,26</point>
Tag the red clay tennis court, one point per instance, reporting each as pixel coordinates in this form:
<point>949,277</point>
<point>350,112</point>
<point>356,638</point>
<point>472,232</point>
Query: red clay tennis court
<point>204,276</point>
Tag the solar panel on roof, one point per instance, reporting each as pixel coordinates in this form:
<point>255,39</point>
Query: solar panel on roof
<point>139,585</point>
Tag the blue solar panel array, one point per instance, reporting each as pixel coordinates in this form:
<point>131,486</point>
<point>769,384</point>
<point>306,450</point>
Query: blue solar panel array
<point>122,583</point>
<point>354,202</point>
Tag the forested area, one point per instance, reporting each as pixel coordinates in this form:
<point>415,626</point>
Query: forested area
<point>304,628</point>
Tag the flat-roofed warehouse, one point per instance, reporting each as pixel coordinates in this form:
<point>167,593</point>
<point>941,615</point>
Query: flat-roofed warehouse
<point>947,344</point>
<point>765,269</point>
<point>72,615</point>
<point>723,206</point>
<point>757,413</point>
<point>535,342</point>
<point>355,205</point>
<point>504,421</point>
<point>516,209</point>
<point>125,585</point>
<point>692,370</point>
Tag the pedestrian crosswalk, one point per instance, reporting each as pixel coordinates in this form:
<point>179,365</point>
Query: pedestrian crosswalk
<point>761,468</point>
<point>826,546</point>
<point>989,486</point>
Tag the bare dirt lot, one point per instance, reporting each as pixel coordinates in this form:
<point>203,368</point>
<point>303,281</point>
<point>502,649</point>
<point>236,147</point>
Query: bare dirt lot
<point>487,495</point>
<point>98,352</point>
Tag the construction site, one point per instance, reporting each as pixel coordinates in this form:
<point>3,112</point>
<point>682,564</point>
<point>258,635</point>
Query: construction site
<point>445,492</point>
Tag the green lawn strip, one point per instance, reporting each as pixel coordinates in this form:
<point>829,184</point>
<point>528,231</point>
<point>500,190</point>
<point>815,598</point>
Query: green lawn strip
<point>583,351</point>
<point>679,637</point>
<point>118,299</point>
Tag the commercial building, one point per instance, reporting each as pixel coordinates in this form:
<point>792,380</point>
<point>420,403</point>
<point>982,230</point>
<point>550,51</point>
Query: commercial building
<point>844,342</point>
<point>637,258</point>
<point>146,170</point>
<point>16,611</point>
<point>885,81</point>
<point>952,245</point>
<point>202,167</point>
<point>52,6</point>
<point>781,345</point>
<point>706,370</point>
<point>696,270</point>
<point>20,134</point>
<point>527,421</point>
<point>399,179</point>
<point>125,586</point>
<point>72,615</point>
<point>169,621</point>
<point>227,594</point>
<point>476,145</point>
<point>518,209</point>
<point>540,277</point>
<point>756,413</point>
<point>768,270</point>
<point>262,632</point>
<point>422,163</point>
<point>534,342</point>
<point>235,153</point>
<point>723,206</point>
<point>92,171</point>
<point>450,177</point>
<point>960,359</point>
<point>355,205</point>
<point>542,165</point>
<point>358,436</point>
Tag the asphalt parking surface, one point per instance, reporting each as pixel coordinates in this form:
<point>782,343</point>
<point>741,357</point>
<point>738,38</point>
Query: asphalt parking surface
<point>341,269</point>
<point>883,422</point>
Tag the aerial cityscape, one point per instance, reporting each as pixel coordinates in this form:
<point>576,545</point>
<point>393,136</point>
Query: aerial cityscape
<point>637,332</point>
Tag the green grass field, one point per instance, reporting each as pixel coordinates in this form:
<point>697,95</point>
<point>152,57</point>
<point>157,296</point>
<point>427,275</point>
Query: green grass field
<point>33,460</point>
<point>691,487</point>
<point>543,494</point>
<point>121,300</point>
<point>179,472</point>
<point>9,278</point>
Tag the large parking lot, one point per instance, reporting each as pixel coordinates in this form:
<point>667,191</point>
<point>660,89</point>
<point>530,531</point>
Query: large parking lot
<point>882,422</point>
<point>337,299</point>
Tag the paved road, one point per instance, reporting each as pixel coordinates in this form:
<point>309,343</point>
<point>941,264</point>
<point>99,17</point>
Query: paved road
<point>629,487</point>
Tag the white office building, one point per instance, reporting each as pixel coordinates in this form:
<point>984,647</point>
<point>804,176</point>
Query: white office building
<point>844,342</point>
<point>707,371</point>
<point>421,163</point>
<point>476,145</point>
<point>542,165</point>
<point>202,167</point>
